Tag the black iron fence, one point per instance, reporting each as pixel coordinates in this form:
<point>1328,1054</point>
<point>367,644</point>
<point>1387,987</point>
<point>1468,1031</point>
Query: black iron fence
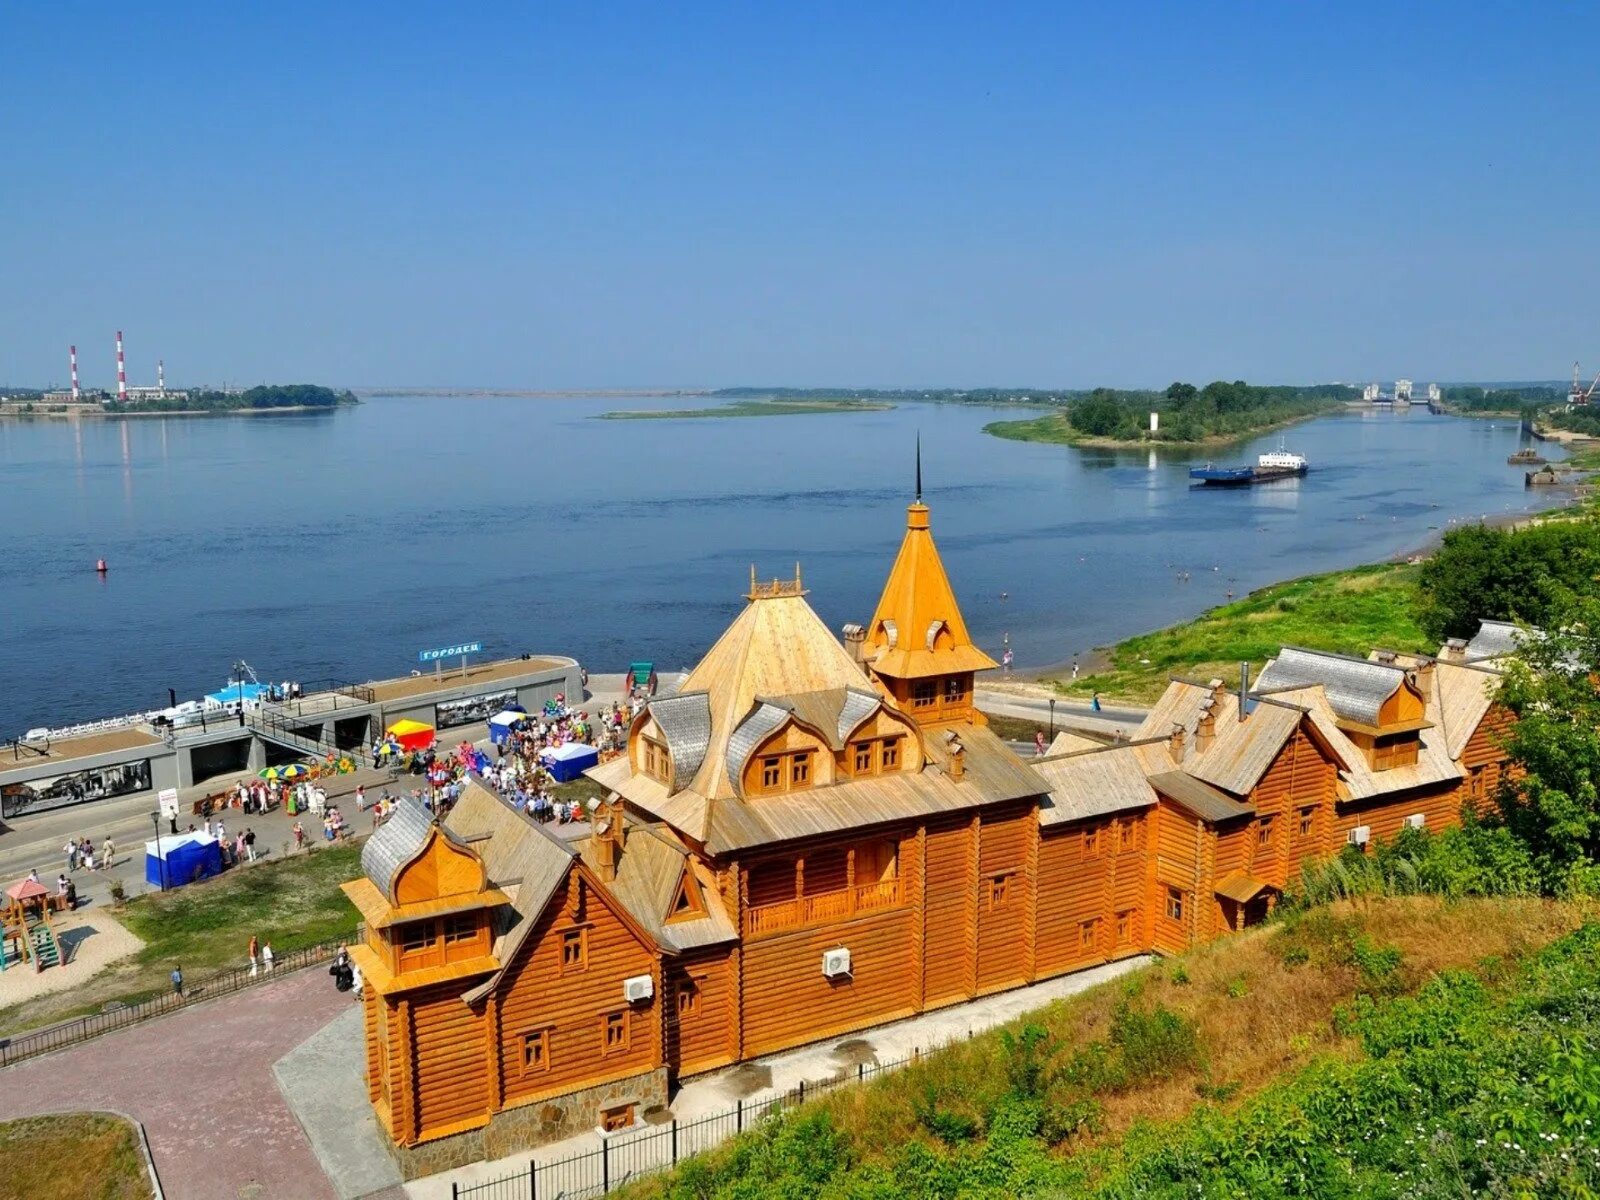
<point>625,1157</point>
<point>59,1037</point>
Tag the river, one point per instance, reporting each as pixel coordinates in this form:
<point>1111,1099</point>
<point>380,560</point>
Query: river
<point>339,544</point>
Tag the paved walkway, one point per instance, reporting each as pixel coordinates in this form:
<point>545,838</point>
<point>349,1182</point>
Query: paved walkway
<point>201,1082</point>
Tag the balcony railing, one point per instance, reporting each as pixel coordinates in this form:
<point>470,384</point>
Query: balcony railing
<point>827,906</point>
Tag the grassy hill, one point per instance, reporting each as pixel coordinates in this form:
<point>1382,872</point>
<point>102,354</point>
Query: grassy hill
<point>1403,1046</point>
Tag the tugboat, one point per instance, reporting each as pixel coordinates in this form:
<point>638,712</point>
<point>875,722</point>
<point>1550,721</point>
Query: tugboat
<point>1275,464</point>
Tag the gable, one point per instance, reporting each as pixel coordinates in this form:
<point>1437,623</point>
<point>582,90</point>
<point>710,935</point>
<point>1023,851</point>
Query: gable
<point>442,869</point>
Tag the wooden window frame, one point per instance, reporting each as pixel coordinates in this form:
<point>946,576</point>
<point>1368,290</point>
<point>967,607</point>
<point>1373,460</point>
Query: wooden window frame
<point>1000,886</point>
<point>422,930</point>
<point>1091,841</point>
<point>771,777</point>
<point>538,1041</point>
<point>1475,781</point>
<point>462,927</point>
<point>615,1022</point>
<point>889,754</point>
<point>618,1118</point>
<point>1175,900</point>
<point>1125,920</point>
<point>925,693</point>
<point>570,964</point>
<point>1089,934</point>
<point>955,689</point>
<point>1264,827</point>
<point>800,769</point>
<point>687,1000</point>
<point>1308,820</point>
<point>657,760</point>
<point>687,904</point>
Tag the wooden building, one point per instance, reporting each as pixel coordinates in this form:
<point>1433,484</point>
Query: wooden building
<point>813,836</point>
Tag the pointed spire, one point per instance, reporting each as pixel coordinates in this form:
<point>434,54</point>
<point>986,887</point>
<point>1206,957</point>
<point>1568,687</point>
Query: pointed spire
<point>919,466</point>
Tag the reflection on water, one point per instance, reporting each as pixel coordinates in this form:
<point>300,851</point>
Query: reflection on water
<point>338,544</point>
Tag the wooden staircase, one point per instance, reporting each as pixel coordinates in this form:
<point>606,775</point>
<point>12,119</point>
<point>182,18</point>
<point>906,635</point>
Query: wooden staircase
<point>43,947</point>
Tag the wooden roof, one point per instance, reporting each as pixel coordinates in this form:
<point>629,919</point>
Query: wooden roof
<point>1240,886</point>
<point>992,774</point>
<point>648,870</point>
<point>1203,800</point>
<point>776,647</point>
<point>1092,783</point>
<point>916,608</point>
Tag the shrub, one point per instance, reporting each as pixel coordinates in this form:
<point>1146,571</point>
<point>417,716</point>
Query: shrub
<point>1154,1042</point>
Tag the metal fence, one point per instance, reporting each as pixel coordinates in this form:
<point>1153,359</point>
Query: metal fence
<point>625,1157</point>
<point>58,1037</point>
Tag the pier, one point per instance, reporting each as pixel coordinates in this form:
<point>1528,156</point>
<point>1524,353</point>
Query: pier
<point>132,757</point>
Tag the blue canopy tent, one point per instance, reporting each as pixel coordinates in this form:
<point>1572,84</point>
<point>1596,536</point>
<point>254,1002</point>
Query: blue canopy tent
<point>182,859</point>
<point>502,723</point>
<point>568,762</point>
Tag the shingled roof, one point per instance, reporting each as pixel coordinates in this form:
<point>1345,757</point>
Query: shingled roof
<point>394,844</point>
<point>1355,687</point>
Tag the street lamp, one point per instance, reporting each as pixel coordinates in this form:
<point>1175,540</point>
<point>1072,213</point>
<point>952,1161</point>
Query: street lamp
<point>161,863</point>
<point>1052,718</point>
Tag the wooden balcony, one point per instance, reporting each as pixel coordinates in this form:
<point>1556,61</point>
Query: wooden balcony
<point>820,909</point>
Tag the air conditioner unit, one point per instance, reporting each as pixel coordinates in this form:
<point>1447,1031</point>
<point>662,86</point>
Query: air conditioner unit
<point>1416,820</point>
<point>637,988</point>
<point>836,962</point>
<point>1360,835</point>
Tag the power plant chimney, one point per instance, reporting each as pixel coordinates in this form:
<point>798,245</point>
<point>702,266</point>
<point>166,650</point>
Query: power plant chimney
<point>161,377</point>
<point>122,373</point>
<point>72,357</point>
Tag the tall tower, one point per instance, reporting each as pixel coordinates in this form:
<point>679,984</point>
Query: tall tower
<point>122,373</point>
<point>161,376</point>
<point>72,358</point>
<point>917,647</point>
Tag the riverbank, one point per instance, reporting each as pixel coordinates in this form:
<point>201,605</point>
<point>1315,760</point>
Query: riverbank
<point>1054,428</point>
<point>1347,612</point>
<point>91,413</point>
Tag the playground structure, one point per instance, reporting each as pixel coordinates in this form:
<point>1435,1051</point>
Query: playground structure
<point>25,920</point>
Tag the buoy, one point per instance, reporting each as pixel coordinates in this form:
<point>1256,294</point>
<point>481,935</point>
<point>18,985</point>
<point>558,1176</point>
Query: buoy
<point>100,565</point>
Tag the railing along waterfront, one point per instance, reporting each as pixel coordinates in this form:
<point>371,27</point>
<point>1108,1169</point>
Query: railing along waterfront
<point>625,1157</point>
<point>222,983</point>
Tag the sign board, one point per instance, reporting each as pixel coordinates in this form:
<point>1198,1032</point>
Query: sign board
<point>449,652</point>
<point>168,799</point>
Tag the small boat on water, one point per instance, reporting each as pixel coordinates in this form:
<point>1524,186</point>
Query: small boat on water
<point>1527,457</point>
<point>1275,464</point>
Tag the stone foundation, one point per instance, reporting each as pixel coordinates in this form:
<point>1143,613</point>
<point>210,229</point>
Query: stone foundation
<point>530,1125</point>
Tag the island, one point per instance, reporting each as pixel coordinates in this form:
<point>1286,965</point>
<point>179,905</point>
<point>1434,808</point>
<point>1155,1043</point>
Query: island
<point>1181,415</point>
<point>765,406</point>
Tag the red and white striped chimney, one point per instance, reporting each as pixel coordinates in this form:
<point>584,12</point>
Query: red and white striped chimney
<point>122,372</point>
<point>72,357</point>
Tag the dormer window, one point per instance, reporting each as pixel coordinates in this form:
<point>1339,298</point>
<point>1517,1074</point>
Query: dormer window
<point>1395,750</point>
<point>955,689</point>
<point>783,772</point>
<point>925,693</point>
<point>874,756</point>
<point>657,761</point>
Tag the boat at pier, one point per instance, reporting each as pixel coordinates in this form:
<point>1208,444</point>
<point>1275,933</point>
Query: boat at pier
<point>1274,464</point>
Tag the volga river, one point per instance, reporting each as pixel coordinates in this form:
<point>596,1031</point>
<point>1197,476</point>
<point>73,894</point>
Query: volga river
<point>340,544</point>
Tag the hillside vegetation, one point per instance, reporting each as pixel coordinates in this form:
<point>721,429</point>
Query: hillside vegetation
<point>1408,1045</point>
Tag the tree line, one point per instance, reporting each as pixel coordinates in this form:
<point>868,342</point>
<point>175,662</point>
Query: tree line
<point>265,396</point>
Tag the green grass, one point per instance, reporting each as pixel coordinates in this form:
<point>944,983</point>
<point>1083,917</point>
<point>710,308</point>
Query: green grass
<point>72,1156</point>
<point>1052,427</point>
<point>1349,612</point>
<point>292,903</point>
<point>751,408</point>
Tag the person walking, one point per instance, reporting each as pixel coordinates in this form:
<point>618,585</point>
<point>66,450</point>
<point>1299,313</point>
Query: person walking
<point>177,981</point>
<point>71,851</point>
<point>250,843</point>
<point>108,854</point>
<point>299,832</point>
<point>266,955</point>
<point>255,954</point>
<point>1095,702</point>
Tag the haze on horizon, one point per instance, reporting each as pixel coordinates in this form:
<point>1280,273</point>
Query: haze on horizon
<point>961,195</point>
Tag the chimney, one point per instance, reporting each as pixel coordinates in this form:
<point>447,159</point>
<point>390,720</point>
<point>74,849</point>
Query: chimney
<point>1205,730</point>
<point>1455,650</point>
<point>609,835</point>
<point>855,642</point>
<point>1175,743</point>
<point>958,755</point>
<point>1386,657</point>
<point>1244,689</point>
<point>1425,673</point>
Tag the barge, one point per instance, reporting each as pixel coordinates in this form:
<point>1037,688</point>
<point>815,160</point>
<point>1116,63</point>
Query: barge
<point>1275,464</point>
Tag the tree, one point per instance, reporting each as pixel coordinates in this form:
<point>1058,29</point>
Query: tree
<point>1551,803</point>
<point>1182,393</point>
<point>1481,573</point>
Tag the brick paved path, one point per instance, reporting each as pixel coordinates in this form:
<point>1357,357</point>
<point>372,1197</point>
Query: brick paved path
<point>201,1082</point>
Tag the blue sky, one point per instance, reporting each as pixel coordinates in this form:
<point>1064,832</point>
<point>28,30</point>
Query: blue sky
<point>607,195</point>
